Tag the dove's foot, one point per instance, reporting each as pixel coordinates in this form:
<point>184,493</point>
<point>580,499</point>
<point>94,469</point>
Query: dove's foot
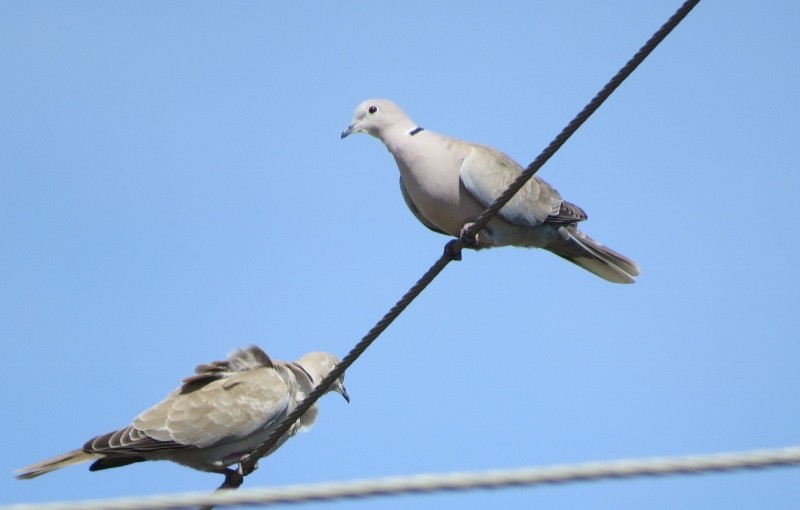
<point>469,240</point>
<point>233,478</point>
<point>452,250</point>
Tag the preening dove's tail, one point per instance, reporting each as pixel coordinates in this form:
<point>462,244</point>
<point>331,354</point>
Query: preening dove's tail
<point>582,250</point>
<point>45,466</point>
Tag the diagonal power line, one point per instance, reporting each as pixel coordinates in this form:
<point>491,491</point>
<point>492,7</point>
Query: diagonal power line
<point>453,248</point>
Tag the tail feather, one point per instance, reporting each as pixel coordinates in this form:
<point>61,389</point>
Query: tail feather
<point>582,250</point>
<point>45,466</point>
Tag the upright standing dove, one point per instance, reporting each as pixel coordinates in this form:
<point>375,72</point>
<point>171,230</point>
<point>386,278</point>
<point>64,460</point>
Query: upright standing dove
<point>215,419</point>
<point>447,183</point>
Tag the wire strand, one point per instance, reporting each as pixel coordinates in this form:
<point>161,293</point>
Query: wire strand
<point>447,482</point>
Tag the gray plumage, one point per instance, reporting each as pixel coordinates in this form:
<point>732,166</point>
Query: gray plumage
<point>218,415</point>
<point>447,183</point>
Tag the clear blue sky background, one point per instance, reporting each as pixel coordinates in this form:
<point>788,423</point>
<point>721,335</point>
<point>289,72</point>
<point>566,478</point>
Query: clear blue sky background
<point>173,186</point>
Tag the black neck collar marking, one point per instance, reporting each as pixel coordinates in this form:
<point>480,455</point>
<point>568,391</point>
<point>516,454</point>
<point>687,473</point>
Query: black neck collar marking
<point>415,131</point>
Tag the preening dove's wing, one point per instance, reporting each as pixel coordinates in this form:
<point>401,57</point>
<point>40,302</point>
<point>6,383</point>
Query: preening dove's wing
<point>229,409</point>
<point>215,419</point>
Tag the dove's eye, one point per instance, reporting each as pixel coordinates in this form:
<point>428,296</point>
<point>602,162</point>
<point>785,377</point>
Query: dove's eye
<point>372,109</point>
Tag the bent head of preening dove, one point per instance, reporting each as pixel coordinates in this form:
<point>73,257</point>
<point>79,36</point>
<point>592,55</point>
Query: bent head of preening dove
<point>215,419</point>
<point>447,183</point>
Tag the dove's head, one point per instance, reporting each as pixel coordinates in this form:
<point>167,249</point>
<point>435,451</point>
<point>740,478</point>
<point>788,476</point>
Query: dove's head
<point>318,365</point>
<point>376,117</point>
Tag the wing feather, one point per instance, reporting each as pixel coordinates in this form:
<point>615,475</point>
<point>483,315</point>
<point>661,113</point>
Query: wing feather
<point>224,401</point>
<point>487,172</point>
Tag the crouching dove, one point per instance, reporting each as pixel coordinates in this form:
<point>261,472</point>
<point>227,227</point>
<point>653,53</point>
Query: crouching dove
<point>447,183</point>
<point>215,419</point>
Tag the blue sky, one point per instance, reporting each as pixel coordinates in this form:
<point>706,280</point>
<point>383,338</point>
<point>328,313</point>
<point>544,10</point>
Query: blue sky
<point>173,186</point>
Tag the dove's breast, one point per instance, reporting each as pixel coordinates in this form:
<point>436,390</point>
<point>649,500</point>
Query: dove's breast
<point>430,166</point>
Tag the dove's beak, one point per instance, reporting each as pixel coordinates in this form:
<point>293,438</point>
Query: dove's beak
<point>342,391</point>
<point>348,131</point>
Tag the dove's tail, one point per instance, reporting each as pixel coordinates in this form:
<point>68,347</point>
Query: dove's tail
<point>580,249</point>
<point>45,466</point>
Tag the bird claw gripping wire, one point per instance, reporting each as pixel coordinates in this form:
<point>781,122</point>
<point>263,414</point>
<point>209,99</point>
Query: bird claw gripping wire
<point>469,239</point>
<point>235,477</point>
<point>452,250</point>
